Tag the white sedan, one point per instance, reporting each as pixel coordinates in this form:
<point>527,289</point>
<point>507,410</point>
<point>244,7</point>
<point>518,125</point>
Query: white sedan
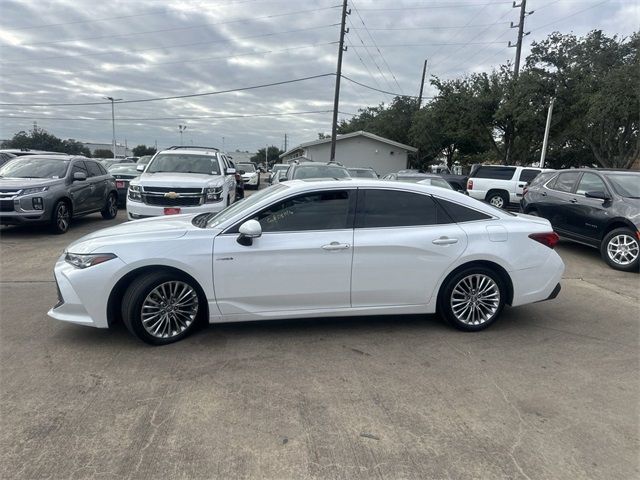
<point>311,249</point>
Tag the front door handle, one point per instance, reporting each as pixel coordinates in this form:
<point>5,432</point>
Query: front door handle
<point>336,246</point>
<point>445,241</point>
<point>574,200</point>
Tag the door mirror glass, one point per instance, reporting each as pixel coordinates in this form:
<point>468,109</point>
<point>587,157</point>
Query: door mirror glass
<point>231,171</point>
<point>140,167</point>
<point>248,231</point>
<point>597,194</point>
<point>79,177</point>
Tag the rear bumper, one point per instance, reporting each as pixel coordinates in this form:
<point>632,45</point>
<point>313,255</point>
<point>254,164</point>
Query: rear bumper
<point>539,283</point>
<point>554,293</point>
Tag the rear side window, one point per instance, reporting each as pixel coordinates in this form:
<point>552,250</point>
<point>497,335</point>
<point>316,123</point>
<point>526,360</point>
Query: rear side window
<point>565,182</point>
<point>94,169</point>
<point>460,213</point>
<point>528,174</point>
<point>495,172</point>
<point>390,208</point>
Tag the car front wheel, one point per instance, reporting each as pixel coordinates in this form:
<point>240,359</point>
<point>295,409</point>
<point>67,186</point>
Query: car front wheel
<point>472,299</point>
<point>621,250</point>
<point>162,307</point>
<point>60,217</point>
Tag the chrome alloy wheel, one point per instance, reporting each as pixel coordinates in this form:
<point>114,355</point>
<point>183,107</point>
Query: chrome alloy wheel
<point>62,217</point>
<point>169,309</point>
<point>112,205</point>
<point>475,299</point>
<point>623,249</point>
<point>497,201</point>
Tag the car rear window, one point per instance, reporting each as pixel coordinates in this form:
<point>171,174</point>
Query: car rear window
<point>460,213</point>
<point>528,174</point>
<point>495,172</point>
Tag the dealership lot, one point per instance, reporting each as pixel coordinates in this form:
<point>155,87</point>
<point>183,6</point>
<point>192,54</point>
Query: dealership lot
<point>550,391</point>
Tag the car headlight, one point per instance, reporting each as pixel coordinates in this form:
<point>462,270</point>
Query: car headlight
<point>135,193</point>
<point>30,191</point>
<point>214,194</point>
<point>87,260</point>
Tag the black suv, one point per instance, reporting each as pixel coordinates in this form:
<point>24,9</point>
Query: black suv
<point>597,207</point>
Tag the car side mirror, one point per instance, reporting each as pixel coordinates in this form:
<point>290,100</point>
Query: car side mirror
<point>231,171</point>
<point>79,176</point>
<point>140,168</point>
<point>248,231</point>
<point>597,194</point>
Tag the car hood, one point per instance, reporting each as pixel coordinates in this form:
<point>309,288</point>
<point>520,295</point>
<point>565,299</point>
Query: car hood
<point>139,231</point>
<point>20,183</point>
<point>179,180</point>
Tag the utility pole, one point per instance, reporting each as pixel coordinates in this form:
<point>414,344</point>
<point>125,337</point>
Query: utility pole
<point>266,156</point>
<point>285,142</point>
<point>424,73</point>
<point>113,123</point>
<point>336,99</point>
<point>516,70</point>
<point>181,128</point>
<point>543,154</point>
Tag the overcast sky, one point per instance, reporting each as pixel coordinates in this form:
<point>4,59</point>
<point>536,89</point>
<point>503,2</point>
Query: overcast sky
<point>72,51</point>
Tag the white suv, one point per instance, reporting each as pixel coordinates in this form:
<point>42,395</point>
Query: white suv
<point>182,180</point>
<point>500,185</point>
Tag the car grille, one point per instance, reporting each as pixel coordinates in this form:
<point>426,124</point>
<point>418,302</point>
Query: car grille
<point>6,206</point>
<point>172,202</point>
<point>163,190</point>
<point>186,197</point>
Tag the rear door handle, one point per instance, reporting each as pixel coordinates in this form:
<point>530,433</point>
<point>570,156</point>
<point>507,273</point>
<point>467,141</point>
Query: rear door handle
<point>574,200</point>
<point>445,241</point>
<point>336,246</point>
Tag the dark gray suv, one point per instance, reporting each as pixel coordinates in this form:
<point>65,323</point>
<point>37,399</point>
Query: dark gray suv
<point>53,189</point>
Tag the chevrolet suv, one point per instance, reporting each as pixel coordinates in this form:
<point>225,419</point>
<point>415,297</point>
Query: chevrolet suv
<point>182,180</point>
<point>53,189</point>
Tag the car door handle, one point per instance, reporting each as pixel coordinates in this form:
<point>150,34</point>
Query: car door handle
<point>336,246</point>
<point>445,241</point>
<point>544,194</point>
<point>574,200</point>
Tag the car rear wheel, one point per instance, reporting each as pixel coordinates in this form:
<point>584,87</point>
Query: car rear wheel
<point>162,307</point>
<point>498,199</point>
<point>472,299</point>
<point>60,217</point>
<point>110,209</point>
<point>621,249</point>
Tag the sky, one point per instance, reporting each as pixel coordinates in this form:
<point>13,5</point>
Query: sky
<point>80,51</point>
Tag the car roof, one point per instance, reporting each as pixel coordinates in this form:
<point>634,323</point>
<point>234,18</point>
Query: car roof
<point>192,151</point>
<point>50,157</point>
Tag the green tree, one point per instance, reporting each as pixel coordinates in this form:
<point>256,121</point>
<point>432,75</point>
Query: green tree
<point>273,154</point>
<point>40,139</point>
<point>142,150</point>
<point>102,153</point>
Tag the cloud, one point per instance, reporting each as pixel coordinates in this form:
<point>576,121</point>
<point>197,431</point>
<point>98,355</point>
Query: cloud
<point>80,51</point>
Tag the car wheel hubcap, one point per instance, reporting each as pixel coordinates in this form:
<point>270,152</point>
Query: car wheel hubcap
<point>475,299</point>
<point>113,207</point>
<point>169,309</point>
<point>497,202</point>
<point>62,217</point>
<point>623,249</point>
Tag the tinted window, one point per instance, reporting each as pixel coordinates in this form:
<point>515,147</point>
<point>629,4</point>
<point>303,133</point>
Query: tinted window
<point>460,213</point>
<point>33,167</point>
<point>94,169</point>
<point>528,174</point>
<point>565,181</point>
<point>328,210</point>
<point>497,173</point>
<point>389,208</point>
<point>79,167</point>
<point>626,184</point>
<point>319,171</point>
<point>184,163</point>
<point>590,182</point>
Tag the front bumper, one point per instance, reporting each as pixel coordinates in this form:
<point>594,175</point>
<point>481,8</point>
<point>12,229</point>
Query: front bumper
<point>23,218</point>
<point>83,293</point>
<point>137,210</point>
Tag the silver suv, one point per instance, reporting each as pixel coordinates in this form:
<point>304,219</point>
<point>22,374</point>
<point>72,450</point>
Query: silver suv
<point>53,189</point>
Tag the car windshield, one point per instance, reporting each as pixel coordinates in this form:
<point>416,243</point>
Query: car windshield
<point>436,182</point>
<point>144,160</point>
<point>625,184</point>
<point>31,167</point>
<point>184,163</point>
<point>319,171</point>
<point>247,167</point>
<point>277,168</point>
<point>123,169</point>
<point>362,173</point>
<point>411,178</point>
<point>237,207</point>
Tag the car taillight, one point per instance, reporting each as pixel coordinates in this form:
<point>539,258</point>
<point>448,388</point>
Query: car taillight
<point>470,185</point>
<point>548,239</point>
<point>525,190</point>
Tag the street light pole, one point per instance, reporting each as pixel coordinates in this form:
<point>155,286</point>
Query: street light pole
<point>182,128</point>
<point>113,123</point>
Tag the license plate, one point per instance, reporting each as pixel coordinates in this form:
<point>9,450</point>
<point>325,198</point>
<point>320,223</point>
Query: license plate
<point>120,184</point>
<point>171,211</point>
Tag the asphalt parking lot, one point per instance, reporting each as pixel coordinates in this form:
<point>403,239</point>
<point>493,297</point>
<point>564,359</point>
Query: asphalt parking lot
<point>550,391</point>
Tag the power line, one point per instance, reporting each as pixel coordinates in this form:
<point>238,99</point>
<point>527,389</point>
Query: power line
<point>430,27</point>
<point>391,45</point>
<point>375,80</point>
<point>377,89</point>
<point>173,97</point>
<point>370,56</point>
<point>570,15</point>
<point>432,6</point>
<point>170,46</point>
<point>200,25</point>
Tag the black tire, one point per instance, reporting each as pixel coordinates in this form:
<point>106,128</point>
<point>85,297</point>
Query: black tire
<point>110,209</point>
<point>61,217</point>
<point>620,249</point>
<point>498,199</point>
<point>447,297</point>
<point>136,296</point>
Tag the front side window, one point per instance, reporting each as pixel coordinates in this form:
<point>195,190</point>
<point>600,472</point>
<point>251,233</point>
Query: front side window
<point>184,163</point>
<point>496,173</point>
<point>93,169</point>
<point>528,174</point>
<point>392,208</point>
<point>325,210</point>
<point>625,184</point>
<point>590,182</point>
<point>565,182</point>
